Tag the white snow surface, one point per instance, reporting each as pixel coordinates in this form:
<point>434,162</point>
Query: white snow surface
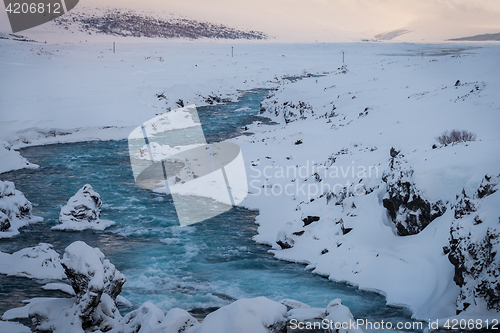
<point>66,288</point>
<point>13,327</point>
<point>38,262</point>
<point>245,316</point>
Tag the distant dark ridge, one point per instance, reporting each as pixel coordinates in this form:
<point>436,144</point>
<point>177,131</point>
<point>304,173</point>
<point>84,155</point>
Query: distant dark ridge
<point>392,34</point>
<point>115,22</point>
<point>18,38</point>
<point>479,38</point>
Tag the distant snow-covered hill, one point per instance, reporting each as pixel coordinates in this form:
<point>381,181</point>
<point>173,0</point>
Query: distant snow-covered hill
<point>130,23</point>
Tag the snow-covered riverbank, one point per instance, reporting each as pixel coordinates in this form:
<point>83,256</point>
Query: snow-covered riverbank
<point>362,192</point>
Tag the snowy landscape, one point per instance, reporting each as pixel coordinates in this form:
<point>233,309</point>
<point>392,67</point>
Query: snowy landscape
<point>373,171</point>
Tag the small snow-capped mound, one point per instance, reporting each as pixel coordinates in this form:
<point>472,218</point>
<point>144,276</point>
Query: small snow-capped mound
<point>83,211</point>
<point>149,318</point>
<point>257,315</point>
<point>15,210</point>
<point>38,262</point>
<point>340,318</point>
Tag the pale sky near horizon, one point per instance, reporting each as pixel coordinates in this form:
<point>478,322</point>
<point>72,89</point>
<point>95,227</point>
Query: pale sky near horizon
<point>440,18</point>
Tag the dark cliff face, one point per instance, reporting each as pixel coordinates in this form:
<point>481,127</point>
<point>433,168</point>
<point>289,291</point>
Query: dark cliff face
<point>409,211</point>
<point>474,248</point>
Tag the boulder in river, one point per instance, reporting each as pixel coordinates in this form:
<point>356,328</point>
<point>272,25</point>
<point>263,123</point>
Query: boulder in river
<point>83,211</point>
<point>15,210</point>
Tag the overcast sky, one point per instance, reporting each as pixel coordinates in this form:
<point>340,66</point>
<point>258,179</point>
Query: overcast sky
<point>439,18</point>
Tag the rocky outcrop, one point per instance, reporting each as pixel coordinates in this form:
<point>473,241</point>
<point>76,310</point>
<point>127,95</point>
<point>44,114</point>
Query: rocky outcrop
<point>406,206</point>
<point>85,205</point>
<point>83,211</point>
<point>96,283</point>
<point>13,204</point>
<point>15,210</point>
<point>475,247</point>
<point>291,111</point>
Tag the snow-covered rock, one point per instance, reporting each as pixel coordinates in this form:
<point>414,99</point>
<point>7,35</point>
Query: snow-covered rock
<point>15,210</point>
<point>340,314</point>
<point>96,283</point>
<point>38,262</point>
<point>83,211</point>
<point>475,247</point>
<point>148,318</point>
<point>409,211</point>
<point>257,315</point>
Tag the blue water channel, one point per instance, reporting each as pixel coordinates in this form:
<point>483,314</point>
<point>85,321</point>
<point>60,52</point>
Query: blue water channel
<point>203,266</point>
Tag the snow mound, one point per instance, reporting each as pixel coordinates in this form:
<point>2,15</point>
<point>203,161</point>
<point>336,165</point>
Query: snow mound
<point>150,319</point>
<point>6,326</point>
<point>15,210</point>
<point>257,315</point>
<point>12,160</point>
<point>83,211</point>
<point>38,262</point>
<point>338,313</point>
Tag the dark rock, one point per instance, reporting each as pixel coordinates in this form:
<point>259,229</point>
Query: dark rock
<point>345,231</point>
<point>465,205</point>
<point>409,211</point>
<point>283,245</point>
<point>394,152</point>
<point>474,250</point>
<point>488,186</point>
<point>4,222</point>
<point>310,219</point>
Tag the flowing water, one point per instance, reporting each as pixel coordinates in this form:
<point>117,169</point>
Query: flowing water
<point>209,264</point>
